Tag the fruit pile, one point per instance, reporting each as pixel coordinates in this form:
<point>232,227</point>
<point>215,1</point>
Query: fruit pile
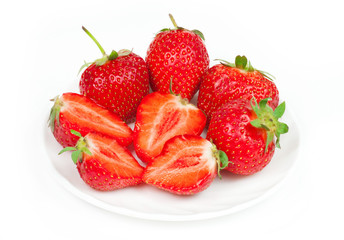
<point>237,104</point>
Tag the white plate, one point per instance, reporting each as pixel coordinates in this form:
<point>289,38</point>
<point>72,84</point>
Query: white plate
<point>231,194</point>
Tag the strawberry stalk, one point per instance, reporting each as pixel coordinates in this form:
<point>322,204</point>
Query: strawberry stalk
<point>267,119</point>
<point>101,61</point>
<point>94,39</point>
<point>199,33</point>
<point>105,57</point>
<point>173,21</point>
<point>183,101</point>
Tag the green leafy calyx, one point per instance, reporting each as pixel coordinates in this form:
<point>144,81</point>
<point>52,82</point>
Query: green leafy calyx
<point>242,63</point>
<point>267,119</point>
<point>221,159</point>
<point>80,148</point>
<point>197,32</point>
<point>55,113</point>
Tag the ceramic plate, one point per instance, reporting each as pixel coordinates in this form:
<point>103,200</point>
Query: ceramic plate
<point>231,194</point>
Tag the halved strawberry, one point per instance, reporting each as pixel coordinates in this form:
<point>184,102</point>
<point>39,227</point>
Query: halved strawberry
<point>160,117</point>
<point>104,164</point>
<point>186,165</point>
<point>77,112</point>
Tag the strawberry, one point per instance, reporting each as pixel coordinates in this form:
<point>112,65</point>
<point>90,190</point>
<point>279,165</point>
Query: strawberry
<point>187,165</point>
<point>74,111</point>
<point>245,132</point>
<point>118,81</point>
<point>177,53</point>
<point>103,164</point>
<point>161,116</point>
<point>226,81</point>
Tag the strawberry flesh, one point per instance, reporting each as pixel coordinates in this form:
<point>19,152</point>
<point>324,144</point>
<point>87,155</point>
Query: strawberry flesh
<point>111,166</point>
<point>161,117</point>
<point>186,165</point>
<point>81,114</point>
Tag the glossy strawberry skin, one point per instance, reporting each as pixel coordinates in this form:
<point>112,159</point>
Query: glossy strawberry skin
<point>180,55</point>
<point>110,167</point>
<point>83,115</point>
<point>185,166</point>
<point>118,85</point>
<point>231,131</point>
<point>161,117</point>
<point>221,84</point>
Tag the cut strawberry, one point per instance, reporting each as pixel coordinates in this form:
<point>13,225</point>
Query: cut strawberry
<point>186,165</point>
<point>104,164</point>
<point>77,112</point>
<point>161,117</point>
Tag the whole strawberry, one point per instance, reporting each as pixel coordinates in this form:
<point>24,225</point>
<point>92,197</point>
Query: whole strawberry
<point>103,164</point>
<point>117,81</point>
<point>246,132</point>
<point>178,53</point>
<point>227,81</point>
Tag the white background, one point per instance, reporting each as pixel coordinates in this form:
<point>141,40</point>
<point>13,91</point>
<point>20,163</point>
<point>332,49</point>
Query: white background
<point>43,46</point>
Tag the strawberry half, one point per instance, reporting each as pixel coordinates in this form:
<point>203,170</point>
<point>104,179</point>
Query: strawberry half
<point>77,112</point>
<point>161,117</point>
<point>187,165</point>
<point>103,164</point>
<point>246,132</point>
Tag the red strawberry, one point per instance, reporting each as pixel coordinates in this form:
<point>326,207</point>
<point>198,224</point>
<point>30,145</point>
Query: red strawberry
<point>246,133</point>
<point>118,81</point>
<point>186,165</point>
<point>104,164</point>
<point>177,53</point>
<point>160,117</point>
<point>225,82</point>
<point>74,111</point>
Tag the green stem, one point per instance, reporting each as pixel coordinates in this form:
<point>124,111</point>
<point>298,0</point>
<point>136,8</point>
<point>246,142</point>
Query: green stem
<point>171,91</point>
<point>94,39</point>
<point>173,21</point>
